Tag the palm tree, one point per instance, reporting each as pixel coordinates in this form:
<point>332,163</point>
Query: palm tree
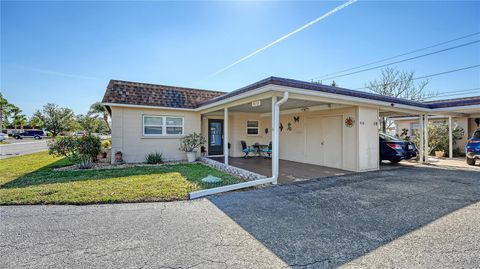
<point>98,109</point>
<point>16,115</point>
<point>19,120</point>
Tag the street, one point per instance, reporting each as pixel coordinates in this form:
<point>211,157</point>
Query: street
<point>22,147</point>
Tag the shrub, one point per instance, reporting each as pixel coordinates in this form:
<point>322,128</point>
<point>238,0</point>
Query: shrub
<point>154,158</point>
<point>438,137</point>
<point>81,150</point>
<point>192,141</point>
<point>106,144</point>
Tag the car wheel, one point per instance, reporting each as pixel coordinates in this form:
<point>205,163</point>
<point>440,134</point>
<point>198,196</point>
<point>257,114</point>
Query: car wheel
<point>36,137</point>
<point>395,161</point>
<point>470,161</point>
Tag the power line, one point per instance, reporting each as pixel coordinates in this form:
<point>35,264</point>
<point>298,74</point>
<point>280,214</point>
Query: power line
<point>399,55</point>
<point>427,76</point>
<point>456,94</point>
<point>408,59</point>
<point>338,8</point>
<point>457,91</point>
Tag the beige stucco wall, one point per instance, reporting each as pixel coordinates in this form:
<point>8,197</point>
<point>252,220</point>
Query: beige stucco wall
<point>127,134</point>
<point>462,122</point>
<point>292,143</point>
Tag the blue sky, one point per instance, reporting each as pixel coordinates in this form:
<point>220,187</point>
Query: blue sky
<point>66,52</point>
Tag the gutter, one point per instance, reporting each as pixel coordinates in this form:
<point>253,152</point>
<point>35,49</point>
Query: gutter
<point>275,159</point>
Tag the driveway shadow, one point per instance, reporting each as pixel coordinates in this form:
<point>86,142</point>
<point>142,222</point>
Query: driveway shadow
<point>331,221</point>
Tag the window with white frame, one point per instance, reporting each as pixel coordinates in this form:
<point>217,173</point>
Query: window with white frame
<point>252,127</point>
<point>162,125</point>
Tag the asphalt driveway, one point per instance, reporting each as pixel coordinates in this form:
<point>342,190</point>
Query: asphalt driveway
<point>410,217</point>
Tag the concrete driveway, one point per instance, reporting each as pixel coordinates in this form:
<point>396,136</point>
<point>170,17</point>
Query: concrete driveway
<point>410,217</point>
<point>22,147</point>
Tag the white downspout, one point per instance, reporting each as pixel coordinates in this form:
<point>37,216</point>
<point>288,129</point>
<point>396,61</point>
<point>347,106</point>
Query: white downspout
<point>276,136</point>
<point>275,157</point>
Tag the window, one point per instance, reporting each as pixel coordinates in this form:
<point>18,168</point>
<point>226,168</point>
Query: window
<point>252,127</point>
<point>162,125</point>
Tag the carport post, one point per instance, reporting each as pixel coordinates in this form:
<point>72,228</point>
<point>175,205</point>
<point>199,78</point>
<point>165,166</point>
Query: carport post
<point>425,121</point>
<point>225,135</point>
<point>450,138</point>
<point>274,132</point>
<point>420,150</point>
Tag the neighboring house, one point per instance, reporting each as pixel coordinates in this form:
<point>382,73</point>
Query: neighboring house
<point>317,124</point>
<point>410,123</point>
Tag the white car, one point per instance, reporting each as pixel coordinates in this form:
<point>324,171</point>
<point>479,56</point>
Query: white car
<point>3,137</point>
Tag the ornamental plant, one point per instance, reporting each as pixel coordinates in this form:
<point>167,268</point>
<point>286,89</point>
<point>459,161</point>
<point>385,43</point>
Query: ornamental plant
<point>80,150</point>
<point>192,141</point>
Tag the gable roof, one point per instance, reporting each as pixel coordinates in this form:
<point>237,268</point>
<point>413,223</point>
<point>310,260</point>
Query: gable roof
<point>135,93</point>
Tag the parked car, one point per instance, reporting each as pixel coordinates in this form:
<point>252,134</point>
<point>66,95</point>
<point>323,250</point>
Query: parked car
<point>472,149</point>
<point>3,137</point>
<point>37,134</point>
<point>394,149</point>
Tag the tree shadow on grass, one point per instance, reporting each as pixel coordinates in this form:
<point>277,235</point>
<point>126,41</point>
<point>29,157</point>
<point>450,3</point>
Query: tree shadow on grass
<point>46,175</point>
<point>331,221</point>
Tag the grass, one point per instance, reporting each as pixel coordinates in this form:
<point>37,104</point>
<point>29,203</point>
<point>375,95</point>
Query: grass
<point>4,143</point>
<point>30,179</point>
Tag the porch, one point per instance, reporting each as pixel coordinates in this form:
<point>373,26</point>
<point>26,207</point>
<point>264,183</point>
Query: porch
<point>290,171</point>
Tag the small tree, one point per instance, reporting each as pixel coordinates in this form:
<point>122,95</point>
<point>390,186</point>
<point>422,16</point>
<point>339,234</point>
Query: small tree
<point>81,150</point>
<point>191,142</point>
<point>395,83</point>
<point>56,119</point>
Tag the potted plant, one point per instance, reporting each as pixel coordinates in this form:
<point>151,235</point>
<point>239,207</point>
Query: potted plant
<point>439,153</point>
<point>190,143</point>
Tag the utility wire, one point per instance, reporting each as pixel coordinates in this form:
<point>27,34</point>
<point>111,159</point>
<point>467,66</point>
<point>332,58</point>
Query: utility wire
<point>399,55</point>
<point>408,59</point>
<point>454,93</point>
<point>427,76</point>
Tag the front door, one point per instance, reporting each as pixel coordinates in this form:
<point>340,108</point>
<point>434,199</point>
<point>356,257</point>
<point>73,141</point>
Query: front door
<point>215,137</point>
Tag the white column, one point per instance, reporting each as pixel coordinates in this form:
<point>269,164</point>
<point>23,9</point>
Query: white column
<point>420,131</point>
<point>225,135</point>
<point>275,131</point>
<point>450,138</point>
<point>425,121</point>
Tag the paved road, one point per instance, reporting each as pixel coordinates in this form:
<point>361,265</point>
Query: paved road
<point>22,147</point>
<point>401,218</point>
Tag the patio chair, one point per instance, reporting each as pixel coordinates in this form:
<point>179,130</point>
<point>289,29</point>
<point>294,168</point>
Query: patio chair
<point>268,151</point>
<point>246,150</point>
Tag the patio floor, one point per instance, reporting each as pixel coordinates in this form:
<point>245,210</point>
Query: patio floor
<point>289,171</point>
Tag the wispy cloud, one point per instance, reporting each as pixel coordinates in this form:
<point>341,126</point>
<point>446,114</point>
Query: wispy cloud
<point>56,73</point>
<point>331,12</point>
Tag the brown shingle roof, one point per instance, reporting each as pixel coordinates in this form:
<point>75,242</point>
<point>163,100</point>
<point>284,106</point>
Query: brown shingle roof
<point>135,93</point>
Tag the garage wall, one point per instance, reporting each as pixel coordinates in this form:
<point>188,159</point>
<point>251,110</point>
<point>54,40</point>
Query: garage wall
<point>293,143</point>
<point>368,143</point>
<point>127,134</point>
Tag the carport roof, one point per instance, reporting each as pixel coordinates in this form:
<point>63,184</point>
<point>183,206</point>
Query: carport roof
<point>346,92</point>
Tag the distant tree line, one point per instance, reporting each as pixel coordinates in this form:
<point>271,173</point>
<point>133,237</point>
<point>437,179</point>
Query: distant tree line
<point>55,119</point>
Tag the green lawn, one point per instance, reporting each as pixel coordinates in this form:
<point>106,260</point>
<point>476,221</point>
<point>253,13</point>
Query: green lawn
<point>30,179</point>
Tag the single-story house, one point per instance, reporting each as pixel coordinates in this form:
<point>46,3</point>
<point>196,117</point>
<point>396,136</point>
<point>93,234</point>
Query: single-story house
<point>306,122</point>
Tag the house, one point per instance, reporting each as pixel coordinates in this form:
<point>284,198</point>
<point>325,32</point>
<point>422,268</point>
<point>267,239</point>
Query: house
<point>467,122</point>
<point>313,123</point>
